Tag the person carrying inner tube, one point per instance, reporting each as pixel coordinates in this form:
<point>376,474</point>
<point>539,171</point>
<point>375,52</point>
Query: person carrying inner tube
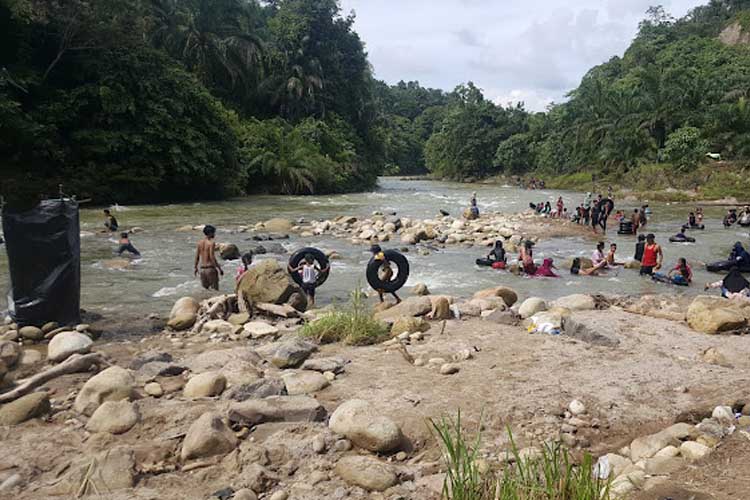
<point>526,257</point>
<point>739,255</point>
<point>733,286</point>
<point>385,272</point>
<point>309,271</point>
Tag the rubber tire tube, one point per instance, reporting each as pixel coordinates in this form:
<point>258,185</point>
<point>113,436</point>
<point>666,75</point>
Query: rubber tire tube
<point>392,286</point>
<point>319,257</point>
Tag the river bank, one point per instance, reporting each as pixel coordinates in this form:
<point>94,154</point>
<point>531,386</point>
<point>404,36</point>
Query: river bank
<point>248,404</point>
<point>125,288</point>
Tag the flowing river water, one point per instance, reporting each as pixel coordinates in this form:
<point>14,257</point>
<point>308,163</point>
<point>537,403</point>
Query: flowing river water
<point>164,273</point>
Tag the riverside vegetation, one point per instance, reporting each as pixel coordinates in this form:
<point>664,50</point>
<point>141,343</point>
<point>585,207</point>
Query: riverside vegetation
<point>153,100</point>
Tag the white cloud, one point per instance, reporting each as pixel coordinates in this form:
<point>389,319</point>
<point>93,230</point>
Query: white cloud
<point>537,50</point>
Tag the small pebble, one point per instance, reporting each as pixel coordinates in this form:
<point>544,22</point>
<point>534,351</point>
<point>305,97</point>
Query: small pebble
<point>319,444</point>
<point>330,376</point>
<point>449,369</point>
<point>401,456</point>
<point>436,361</point>
<point>280,495</point>
<point>342,445</point>
<point>154,389</point>
<point>245,494</point>
<point>419,362</point>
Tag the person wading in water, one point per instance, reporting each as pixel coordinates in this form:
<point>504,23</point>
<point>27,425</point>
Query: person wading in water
<point>205,260</point>
<point>652,256</point>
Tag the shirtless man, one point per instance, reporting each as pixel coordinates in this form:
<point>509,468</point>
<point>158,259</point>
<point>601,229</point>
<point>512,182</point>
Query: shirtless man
<point>205,257</point>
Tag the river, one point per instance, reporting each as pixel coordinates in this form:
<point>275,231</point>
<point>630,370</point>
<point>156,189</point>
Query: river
<point>164,273</point>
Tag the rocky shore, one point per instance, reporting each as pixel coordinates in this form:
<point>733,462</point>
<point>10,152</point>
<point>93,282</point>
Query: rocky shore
<point>230,401</point>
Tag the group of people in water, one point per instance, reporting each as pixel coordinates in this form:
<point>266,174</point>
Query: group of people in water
<point>648,253</point>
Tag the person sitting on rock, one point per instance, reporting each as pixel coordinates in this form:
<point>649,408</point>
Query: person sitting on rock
<point>546,269</point>
<point>247,261</point>
<point>385,273</point>
<point>598,260</point>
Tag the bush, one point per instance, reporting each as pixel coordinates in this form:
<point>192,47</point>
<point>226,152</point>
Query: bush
<point>551,476</point>
<point>353,325</point>
<point>685,147</point>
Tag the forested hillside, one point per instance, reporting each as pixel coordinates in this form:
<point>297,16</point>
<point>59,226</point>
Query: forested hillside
<point>148,100</point>
<point>154,100</point>
<point>679,91</point>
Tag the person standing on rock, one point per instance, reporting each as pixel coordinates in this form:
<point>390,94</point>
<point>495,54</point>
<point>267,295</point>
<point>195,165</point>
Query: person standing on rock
<point>205,260</point>
<point>652,256</point>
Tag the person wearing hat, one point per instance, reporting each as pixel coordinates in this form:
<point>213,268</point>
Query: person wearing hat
<point>652,256</point>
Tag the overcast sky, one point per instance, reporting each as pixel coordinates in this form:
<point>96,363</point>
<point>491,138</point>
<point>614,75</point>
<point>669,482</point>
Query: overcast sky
<point>533,51</point>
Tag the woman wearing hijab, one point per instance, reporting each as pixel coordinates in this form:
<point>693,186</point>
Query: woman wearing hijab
<point>546,269</point>
<point>733,286</point>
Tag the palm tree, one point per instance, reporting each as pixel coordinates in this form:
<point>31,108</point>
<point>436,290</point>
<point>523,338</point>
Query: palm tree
<point>290,162</point>
<point>294,90</point>
<point>211,37</point>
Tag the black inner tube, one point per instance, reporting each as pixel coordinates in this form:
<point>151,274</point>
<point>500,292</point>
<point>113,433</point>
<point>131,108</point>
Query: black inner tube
<point>319,257</point>
<point>373,268</point>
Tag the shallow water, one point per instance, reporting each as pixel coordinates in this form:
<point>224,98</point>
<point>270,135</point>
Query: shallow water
<point>164,273</point>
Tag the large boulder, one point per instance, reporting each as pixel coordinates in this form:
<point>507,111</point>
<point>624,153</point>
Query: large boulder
<point>208,436</point>
<point>65,344</point>
<point>229,251</point>
<point>531,306</point>
<point>32,405</point>
<point>267,281</point>
<point>108,471</point>
<point>114,417</point>
<point>292,354</point>
<point>304,382</point>
<point>277,409</point>
<point>366,472</point>
<point>10,353</point>
<point>441,308</point>
<point>205,385</point>
<point>278,225</point>
<point>31,333</point>
<point>365,426</point>
<point>183,314</point>
<point>412,306</point>
<point>508,294</point>
<point>112,384</point>
<point>576,302</point>
<point>409,324</point>
<point>714,315</point>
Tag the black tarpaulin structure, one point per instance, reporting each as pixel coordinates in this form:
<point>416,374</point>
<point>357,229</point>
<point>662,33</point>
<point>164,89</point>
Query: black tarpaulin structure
<point>44,258</point>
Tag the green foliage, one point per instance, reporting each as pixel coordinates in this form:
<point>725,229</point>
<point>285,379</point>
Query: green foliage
<point>513,156</point>
<point>352,325</point>
<point>147,100</point>
<point>552,475</point>
<point>685,147</point>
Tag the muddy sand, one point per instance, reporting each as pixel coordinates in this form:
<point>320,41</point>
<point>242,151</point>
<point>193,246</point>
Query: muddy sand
<point>640,375</point>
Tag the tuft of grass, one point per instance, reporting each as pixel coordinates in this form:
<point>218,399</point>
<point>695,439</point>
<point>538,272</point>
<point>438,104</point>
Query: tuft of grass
<point>553,475</point>
<point>353,325</point>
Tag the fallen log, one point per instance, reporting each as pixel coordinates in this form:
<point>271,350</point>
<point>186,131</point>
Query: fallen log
<point>76,363</point>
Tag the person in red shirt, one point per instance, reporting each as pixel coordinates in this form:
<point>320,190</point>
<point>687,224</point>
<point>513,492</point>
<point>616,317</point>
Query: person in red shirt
<point>652,256</point>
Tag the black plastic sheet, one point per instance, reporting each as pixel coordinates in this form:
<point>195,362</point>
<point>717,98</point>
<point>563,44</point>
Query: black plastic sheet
<point>44,257</point>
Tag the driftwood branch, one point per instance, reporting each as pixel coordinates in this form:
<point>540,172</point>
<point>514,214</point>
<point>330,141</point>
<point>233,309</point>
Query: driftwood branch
<point>77,363</point>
